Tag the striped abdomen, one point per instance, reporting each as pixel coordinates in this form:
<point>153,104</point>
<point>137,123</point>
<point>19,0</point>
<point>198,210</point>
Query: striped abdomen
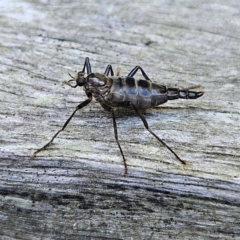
<point>144,93</point>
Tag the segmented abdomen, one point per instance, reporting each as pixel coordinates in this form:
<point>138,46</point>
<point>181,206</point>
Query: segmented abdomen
<point>144,93</point>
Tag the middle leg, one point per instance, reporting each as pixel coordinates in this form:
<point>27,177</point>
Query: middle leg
<point>110,109</point>
<point>119,146</point>
<point>134,71</point>
<point>81,105</point>
<point>109,69</point>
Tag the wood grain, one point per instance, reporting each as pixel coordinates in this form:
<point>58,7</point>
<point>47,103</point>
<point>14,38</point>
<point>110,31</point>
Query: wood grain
<point>76,189</point>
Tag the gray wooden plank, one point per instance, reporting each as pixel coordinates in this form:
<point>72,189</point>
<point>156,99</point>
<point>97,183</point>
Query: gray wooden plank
<point>76,189</point>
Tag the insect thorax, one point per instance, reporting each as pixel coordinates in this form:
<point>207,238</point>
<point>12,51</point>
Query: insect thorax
<point>99,85</point>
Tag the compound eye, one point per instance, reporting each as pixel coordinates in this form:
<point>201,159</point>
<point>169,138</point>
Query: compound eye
<point>80,82</point>
<point>80,79</point>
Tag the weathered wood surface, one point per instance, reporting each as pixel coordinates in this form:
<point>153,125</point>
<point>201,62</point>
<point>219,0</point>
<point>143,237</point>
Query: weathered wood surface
<point>76,189</point>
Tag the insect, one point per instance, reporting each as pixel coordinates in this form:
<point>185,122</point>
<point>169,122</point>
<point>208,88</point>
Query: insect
<point>127,92</point>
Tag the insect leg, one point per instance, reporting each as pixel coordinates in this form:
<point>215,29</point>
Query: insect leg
<point>160,140</point>
<point>87,65</point>
<point>109,69</point>
<point>106,107</point>
<point>81,105</point>
<point>133,72</point>
<point>116,137</point>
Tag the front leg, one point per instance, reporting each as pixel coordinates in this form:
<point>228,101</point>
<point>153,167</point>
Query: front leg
<point>87,65</point>
<point>81,105</point>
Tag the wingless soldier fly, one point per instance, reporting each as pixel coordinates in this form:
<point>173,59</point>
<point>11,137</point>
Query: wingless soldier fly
<point>127,92</point>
